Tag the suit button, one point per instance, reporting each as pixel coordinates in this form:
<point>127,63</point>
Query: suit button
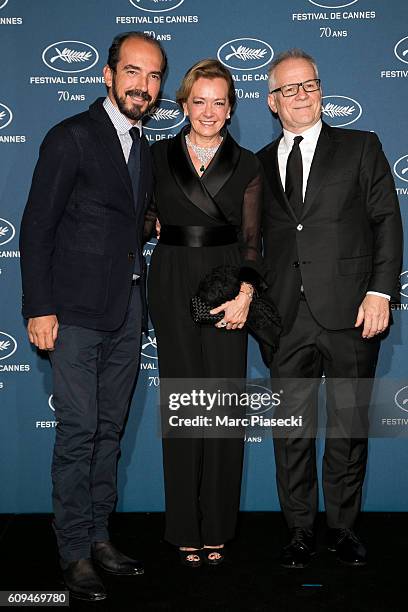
<point>295,264</point>
<point>131,256</point>
<point>299,227</point>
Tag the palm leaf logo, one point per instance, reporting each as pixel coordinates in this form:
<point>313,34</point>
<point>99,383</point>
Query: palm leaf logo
<point>4,345</point>
<point>3,230</point>
<point>2,115</point>
<point>163,114</point>
<point>245,53</point>
<point>336,110</point>
<point>150,342</point>
<point>404,53</point>
<point>70,56</point>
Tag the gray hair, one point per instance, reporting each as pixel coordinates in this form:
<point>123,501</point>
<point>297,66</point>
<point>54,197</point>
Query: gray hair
<point>285,55</point>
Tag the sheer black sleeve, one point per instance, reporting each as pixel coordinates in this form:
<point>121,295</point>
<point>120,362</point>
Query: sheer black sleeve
<point>150,220</point>
<point>250,233</point>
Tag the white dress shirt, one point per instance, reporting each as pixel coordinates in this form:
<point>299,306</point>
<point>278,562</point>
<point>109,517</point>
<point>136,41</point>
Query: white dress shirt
<point>307,149</point>
<point>122,126</point>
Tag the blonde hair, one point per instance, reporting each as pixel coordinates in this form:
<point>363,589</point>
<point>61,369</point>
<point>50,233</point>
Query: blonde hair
<point>206,69</point>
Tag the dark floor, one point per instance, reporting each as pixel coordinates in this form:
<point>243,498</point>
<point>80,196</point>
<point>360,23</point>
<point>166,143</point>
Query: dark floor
<point>251,580</point>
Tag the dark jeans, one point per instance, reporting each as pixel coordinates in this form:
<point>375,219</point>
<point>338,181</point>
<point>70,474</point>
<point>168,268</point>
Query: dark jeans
<point>94,373</point>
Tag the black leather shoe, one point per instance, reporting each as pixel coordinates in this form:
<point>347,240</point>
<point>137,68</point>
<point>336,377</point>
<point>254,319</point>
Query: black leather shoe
<point>348,547</point>
<point>297,554</point>
<point>111,560</point>
<point>82,581</point>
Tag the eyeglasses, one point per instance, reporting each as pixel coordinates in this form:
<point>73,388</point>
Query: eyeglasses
<point>293,88</point>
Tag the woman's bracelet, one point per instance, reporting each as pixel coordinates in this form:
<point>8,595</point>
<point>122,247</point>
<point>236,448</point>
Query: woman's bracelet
<point>249,293</point>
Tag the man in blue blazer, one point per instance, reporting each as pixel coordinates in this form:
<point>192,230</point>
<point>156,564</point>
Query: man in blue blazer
<point>333,244</point>
<point>83,295</point>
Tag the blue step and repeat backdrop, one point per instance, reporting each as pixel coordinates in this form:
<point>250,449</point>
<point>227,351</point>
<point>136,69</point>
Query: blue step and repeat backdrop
<point>52,53</point>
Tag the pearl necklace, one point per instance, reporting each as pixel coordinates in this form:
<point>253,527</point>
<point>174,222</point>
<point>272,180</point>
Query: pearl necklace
<point>204,154</point>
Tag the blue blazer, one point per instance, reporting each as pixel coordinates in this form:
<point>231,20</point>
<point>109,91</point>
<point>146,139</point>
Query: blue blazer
<point>81,231</point>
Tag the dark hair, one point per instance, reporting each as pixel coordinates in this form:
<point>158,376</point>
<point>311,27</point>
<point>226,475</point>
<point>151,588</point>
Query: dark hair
<point>117,42</point>
<point>207,69</point>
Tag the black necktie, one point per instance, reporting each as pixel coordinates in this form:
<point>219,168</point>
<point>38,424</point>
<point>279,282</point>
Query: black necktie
<point>294,177</point>
<point>134,163</point>
<point>134,172</point>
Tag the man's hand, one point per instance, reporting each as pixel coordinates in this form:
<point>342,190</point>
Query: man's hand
<point>43,331</point>
<point>158,228</point>
<point>374,311</point>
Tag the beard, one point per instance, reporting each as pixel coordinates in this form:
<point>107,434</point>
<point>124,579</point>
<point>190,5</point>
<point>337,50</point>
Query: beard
<point>134,113</point>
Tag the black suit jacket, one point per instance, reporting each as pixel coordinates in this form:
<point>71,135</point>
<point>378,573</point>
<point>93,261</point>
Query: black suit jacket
<point>348,239</point>
<point>80,232</point>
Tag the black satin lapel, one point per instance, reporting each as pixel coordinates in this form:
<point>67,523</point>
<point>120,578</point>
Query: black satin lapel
<point>222,166</point>
<point>110,141</point>
<point>186,177</point>
<point>321,165</point>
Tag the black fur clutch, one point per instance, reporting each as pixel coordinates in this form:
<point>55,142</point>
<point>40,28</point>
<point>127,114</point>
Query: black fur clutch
<point>221,285</point>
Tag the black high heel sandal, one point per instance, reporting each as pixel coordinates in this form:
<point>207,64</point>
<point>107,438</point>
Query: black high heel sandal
<point>216,560</point>
<point>190,558</point>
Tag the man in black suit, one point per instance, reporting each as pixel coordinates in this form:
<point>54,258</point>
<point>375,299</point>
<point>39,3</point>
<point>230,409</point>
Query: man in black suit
<point>83,295</point>
<point>333,244</point>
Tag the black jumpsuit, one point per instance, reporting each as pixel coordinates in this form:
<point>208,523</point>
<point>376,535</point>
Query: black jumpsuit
<point>202,476</point>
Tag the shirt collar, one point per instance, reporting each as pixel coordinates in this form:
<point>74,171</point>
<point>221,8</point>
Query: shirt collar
<point>121,123</point>
<point>310,135</point>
